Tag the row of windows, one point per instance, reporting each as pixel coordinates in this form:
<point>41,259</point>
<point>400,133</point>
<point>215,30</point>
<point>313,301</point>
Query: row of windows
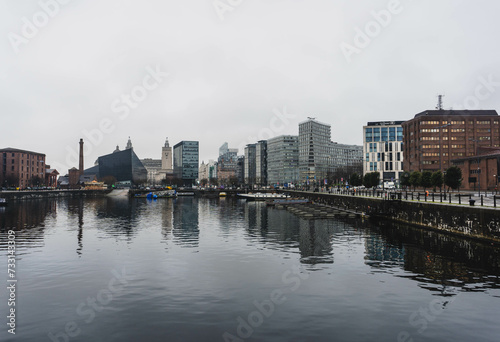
<point>384,134</point>
<point>461,122</point>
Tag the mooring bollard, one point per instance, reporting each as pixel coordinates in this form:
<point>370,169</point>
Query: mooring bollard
<point>481,200</point>
<point>459,199</point>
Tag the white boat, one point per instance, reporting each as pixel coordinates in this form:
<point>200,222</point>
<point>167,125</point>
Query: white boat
<point>3,202</point>
<point>262,196</point>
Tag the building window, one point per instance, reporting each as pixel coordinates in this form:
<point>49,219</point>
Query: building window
<point>369,135</point>
<point>458,122</point>
<point>400,133</point>
<point>455,130</point>
<point>385,135</point>
<point>482,122</point>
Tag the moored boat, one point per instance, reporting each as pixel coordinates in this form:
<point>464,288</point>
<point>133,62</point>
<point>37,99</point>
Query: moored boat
<point>262,196</point>
<point>3,202</point>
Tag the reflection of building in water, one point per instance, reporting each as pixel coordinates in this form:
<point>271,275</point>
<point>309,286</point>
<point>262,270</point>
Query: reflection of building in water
<point>186,221</point>
<point>315,242</point>
<point>381,254</point>
<point>119,216</point>
<point>27,218</point>
<point>256,217</point>
<point>167,216</point>
<point>287,231</point>
<point>27,214</point>
<point>436,260</point>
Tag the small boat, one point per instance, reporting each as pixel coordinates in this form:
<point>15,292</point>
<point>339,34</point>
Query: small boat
<point>222,194</point>
<point>185,194</point>
<point>158,194</point>
<point>262,196</point>
<point>3,202</point>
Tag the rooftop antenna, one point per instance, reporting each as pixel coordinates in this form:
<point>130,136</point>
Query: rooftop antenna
<point>440,102</point>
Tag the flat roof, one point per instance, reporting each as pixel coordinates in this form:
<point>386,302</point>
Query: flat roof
<point>384,123</point>
<point>316,121</point>
<point>458,112</point>
<point>10,149</point>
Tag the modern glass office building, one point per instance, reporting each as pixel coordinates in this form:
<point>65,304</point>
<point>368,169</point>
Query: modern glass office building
<point>186,159</point>
<point>249,167</point>
<point>383,149</point>
<point>261,162</point>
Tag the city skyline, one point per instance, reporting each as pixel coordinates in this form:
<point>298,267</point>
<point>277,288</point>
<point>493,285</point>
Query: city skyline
<point>191,71</point>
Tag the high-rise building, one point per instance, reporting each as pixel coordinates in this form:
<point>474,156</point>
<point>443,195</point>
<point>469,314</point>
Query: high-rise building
<point>186,156</point>
<point>433,138</point>
<point>20,168</point>
<point>383,149</point>
<point>283,160</point>
<point>250,164</point>
<point>261,163</point>
<point>314,146</point>
<point>227,164</point>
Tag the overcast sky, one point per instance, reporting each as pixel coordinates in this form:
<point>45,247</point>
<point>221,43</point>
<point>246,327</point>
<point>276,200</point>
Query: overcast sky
<point>231,70</point>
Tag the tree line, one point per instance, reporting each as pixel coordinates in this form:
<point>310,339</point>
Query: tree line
<point>452,178</point>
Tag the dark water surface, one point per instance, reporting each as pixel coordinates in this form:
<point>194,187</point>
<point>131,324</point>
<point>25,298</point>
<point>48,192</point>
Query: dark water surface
<point>226,270</point>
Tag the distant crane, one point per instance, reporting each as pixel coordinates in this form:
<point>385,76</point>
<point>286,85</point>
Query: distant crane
<point>310,118</point>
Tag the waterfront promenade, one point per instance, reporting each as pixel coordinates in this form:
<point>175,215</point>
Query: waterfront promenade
<point>485,199</point>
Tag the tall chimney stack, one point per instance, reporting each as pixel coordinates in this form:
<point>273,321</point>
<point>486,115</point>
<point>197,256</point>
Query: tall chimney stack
<point>80,166</point>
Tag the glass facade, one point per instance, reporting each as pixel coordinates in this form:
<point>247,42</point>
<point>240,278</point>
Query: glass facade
<point>186,160</point>
<point>383,149</point>
<point>122,165</point>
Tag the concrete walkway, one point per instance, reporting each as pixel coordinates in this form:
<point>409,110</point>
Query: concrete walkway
<point>457,198</point>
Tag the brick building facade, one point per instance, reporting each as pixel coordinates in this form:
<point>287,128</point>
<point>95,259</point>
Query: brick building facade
<point>435,137</point>
<point>480,171</point>
<point>20,168</point>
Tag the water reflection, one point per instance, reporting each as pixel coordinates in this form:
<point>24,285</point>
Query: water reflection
<point>434,260</point>
<point>28,219</point>
<point>313,238</point>
<point>186,222</point>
